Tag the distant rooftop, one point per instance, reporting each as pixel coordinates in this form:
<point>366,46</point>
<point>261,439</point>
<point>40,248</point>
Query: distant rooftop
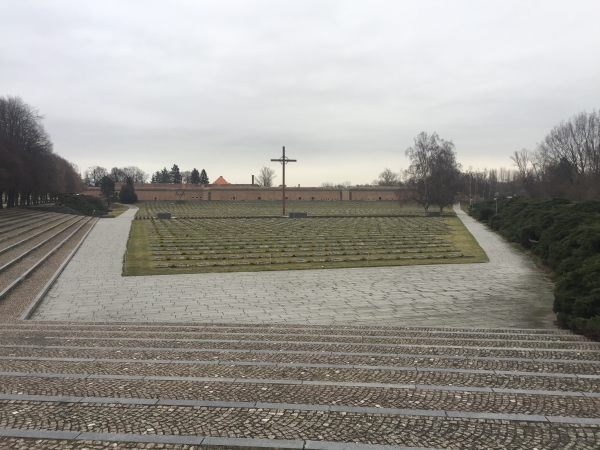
<point>221,181</point>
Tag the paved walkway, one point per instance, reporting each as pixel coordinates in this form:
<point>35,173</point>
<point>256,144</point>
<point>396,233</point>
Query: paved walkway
<point>509,291</point>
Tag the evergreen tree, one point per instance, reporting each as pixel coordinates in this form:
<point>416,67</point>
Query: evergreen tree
<point>157,177</point>
<point>175,174</point>
<point>153,179</point>
<point>203,177</point>
<point>107,189</point>
<point>195,178</point>
<point>165,176</point>
<point>127,193</point>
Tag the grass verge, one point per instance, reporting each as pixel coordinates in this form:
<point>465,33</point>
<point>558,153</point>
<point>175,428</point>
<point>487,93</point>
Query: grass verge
<point>117,209</point>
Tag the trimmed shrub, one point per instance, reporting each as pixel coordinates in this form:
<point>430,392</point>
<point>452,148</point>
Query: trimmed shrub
<point>485,214</point>
<point>84,204</point>
<point>127,193</point>
<point>567,239</point>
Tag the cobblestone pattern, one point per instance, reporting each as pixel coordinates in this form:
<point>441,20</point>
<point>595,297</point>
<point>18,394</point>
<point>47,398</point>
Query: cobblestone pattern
<point>349,335</point>
<point>540,368</point>
<point>53,444</point>
<point>333,358</point>
<point>453,400</point>
<point>250,370</point>
<point>382,429</point>
<point>565,349</point>
<point>398,338</point>
<point>285,328</point>
<point>448,379</point>
<point>506,292</point>
<point>17,300</point>
<point>378,335</point>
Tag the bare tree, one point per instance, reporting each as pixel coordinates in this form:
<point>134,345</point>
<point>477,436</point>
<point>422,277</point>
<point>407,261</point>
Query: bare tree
<point>342,185</point>
<point>522,160</point>
<point>505,175</point>
<point>186,176</point>
<point>93,176</point>
<point>29,170</point>
<point>434,174</point>
<point>387,178</point>
<point>266,175</point>
<point>135,173</point>
<point>570,154</point>
<point>118,175</point>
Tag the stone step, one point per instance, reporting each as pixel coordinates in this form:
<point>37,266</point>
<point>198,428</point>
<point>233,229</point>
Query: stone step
<point>294,422</point>
<point>293,369</point>
<point>296,387</point>
<point>371,395</point>
<point>92,441</point>
<point>509,382</point>
<point>448,352</point>
<point>146,340</point>
<point>263,352</point>
<point>346,336</point>
<point>276,328</point>
<point>419,355</point>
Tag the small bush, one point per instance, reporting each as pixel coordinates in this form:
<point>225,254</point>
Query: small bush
<point>485,214</point>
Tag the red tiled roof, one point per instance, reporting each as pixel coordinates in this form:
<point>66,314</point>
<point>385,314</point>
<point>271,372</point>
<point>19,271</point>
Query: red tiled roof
<point>221,180</point>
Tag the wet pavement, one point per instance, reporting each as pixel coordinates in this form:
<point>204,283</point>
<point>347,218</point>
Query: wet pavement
<point>509,291</point>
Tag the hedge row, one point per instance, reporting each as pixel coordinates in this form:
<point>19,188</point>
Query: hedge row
<point>84,204</point>
<point>566,236</point>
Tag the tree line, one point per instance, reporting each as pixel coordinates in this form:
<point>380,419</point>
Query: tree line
<point>30,171</point>
<point>93,176</point>
<point>566,163</point>
<point>175,176</point>
<point>126,194</point>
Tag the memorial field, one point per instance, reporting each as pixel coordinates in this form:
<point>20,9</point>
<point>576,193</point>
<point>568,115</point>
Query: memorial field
<point>240,236</point>
<point>273,209</point>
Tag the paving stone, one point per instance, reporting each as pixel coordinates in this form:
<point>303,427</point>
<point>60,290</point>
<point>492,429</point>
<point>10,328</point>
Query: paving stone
<point>309,361</point>
<point>488,294</point>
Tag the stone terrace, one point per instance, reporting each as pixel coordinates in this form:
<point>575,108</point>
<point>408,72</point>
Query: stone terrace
<point>218,385</point>
<point>506,292</point>
<point>281,386</point>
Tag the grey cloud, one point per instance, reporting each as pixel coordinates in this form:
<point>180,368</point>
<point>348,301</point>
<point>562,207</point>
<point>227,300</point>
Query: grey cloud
<point>346,86</point>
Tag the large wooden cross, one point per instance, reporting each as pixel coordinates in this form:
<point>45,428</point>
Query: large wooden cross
<point>283,160</point>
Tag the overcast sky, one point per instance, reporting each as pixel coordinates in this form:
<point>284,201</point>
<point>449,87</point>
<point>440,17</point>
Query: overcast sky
<point>345,86</point>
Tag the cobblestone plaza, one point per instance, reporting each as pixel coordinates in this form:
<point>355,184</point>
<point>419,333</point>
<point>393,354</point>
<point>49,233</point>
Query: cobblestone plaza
<point>454,356</point>
<point>507,291</point>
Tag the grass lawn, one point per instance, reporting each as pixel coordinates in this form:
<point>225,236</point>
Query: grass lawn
<point>117,209</point>
<point>175,246</point>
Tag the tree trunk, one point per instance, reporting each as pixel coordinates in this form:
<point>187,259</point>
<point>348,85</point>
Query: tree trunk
<point>10,199</point>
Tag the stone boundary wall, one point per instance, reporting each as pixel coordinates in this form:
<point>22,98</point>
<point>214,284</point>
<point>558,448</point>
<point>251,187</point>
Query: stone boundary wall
<point>150,192</point>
